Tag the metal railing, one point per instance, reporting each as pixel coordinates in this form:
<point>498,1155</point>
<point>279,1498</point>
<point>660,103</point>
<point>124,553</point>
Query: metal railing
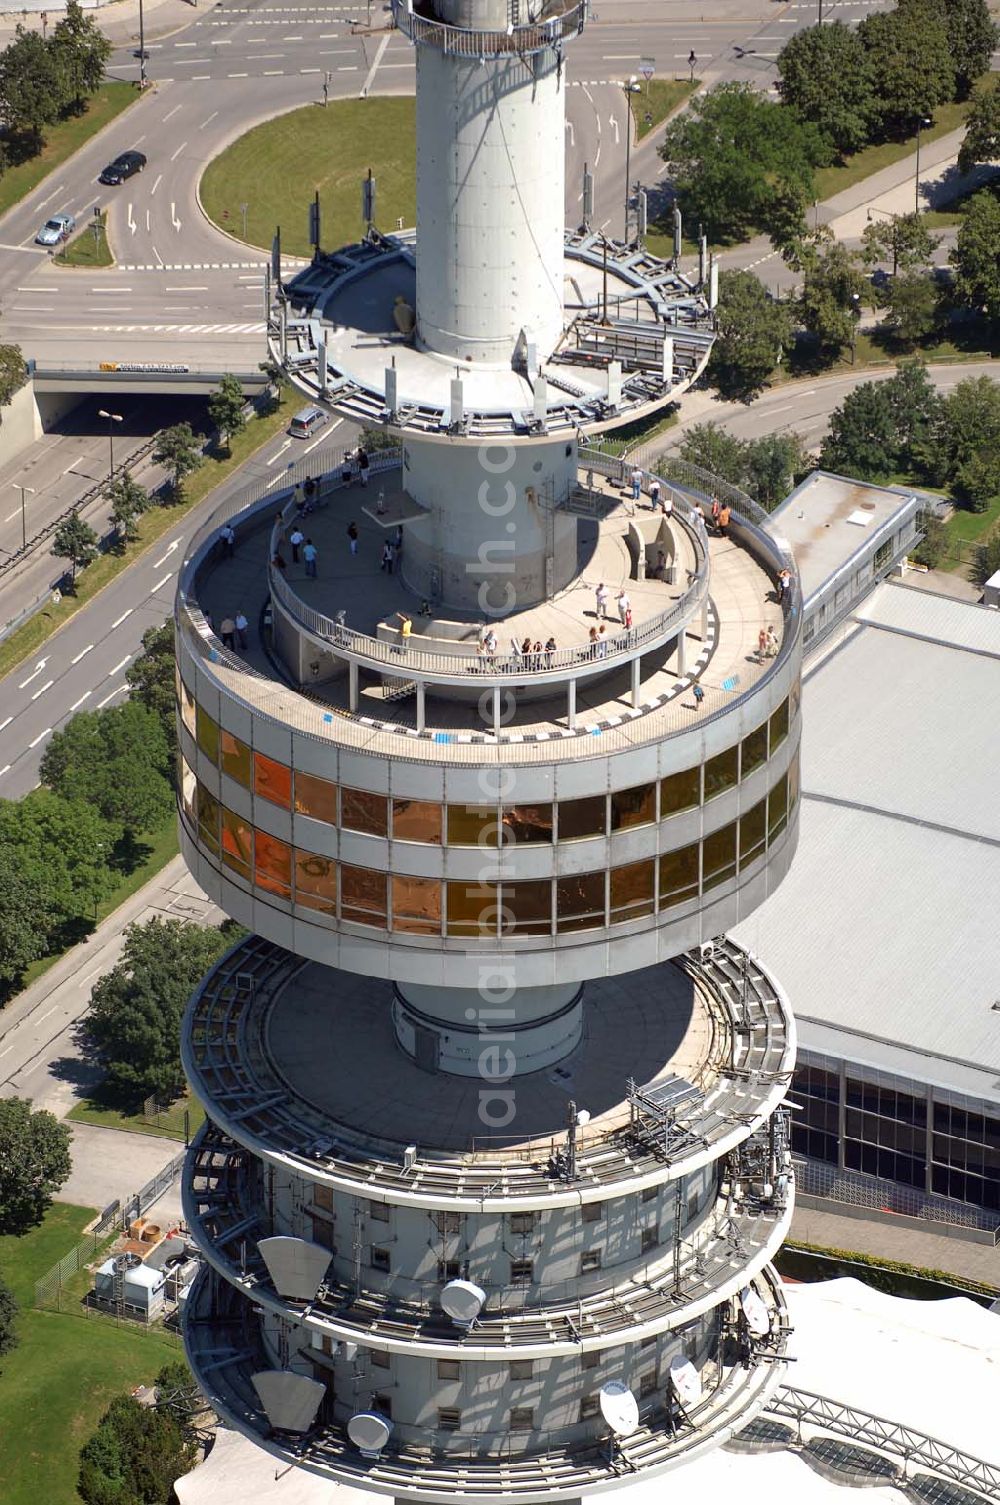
<point>463,42</point>
<point>886,1437</point>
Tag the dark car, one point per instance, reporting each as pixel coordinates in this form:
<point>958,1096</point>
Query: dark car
<point>123,167</point>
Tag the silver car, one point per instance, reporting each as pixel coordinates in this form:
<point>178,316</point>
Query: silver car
<point>60,227</point>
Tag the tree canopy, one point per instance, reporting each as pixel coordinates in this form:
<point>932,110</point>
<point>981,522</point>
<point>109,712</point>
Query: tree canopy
<point>117,760</point>
<point>976,256</point>
<point>132,1027</point>
<point>902,240</point>
<point>13,372</point>
<point>830,301</point>
<point>912,68</point>
<point>178,451</point>
<point>825,75</point>
<point>861,441</point>
<point>76,541</point>
<point>150,678</point>
<point>741,163</point>
<point>34,1164</point>
<point>128,501</point>
<point>32,86</point>
<point>81,51</point>
<point>226,407</point>
<point>134,1456</point>
<point>767,467</point>
<point>973,36</point>
<point>981,142</point>
<point>754,333</point>
<point>8,1319</point>
<point>965,452</point>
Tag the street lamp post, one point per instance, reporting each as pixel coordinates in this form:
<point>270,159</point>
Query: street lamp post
<point>855,316</point>
<point>922,123</point>
<point>112,418</point>
<point>628,150</point>
<point>24,526</point>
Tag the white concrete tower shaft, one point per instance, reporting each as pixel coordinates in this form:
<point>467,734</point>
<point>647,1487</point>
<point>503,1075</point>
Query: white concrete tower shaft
<point>490,184</point>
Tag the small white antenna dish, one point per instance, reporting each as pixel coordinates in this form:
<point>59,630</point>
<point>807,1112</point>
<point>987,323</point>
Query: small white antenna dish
<point>462,1302</point>
<point>583,1118</point>
<point>756,1313</point>
<point>685,1379</point>
<point>369,1432</point>
<point>619,1408</point>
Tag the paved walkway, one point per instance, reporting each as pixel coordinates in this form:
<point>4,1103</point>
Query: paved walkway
<point>928,1248</point>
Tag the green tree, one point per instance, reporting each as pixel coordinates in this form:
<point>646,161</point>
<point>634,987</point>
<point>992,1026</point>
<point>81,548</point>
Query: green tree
<point>986,562</point>
<point>713,449</point>
<point>903,240</point>
<point>151,679</point>
<point>967,447</point>
<point>861,441</point>
<point>830,301</point>
<point>8,1319</point>
<point>825,75</point>
<point>973,36</point>
<point>982,131</point>
<point>118,761</point>
<point>76,541</point>
<point>134,1456</point>
<point>82,50</point>
<point>132,1028</point>
<point>225,408</point>
<point>13,372</point>
<point>178,451</point>
<point>177,1393</point>
<point>933,546</point>
<point>33,89</point>
<point>62,850</point>
<point>912,307</point>
<point>128,501</point>
<point>741,163</point>
<point>774,463</point>
<point>754,332</point>
<point>33,1165</point>
<point>976,256</point>
<point>912,67</point>
<point>916,412</point>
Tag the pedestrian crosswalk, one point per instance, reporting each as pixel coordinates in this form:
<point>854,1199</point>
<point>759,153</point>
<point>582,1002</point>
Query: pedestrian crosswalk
<point>258,328</point>
<point>206,266</point>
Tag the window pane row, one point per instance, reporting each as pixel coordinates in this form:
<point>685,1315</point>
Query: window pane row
<point>485,825</point>
<point>428,906</point>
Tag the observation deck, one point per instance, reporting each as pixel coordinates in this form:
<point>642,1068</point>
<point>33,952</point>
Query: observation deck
<point>224,1347</point>
<point>636,333</point>
<point>251,1046</point>
<point>552,23</point>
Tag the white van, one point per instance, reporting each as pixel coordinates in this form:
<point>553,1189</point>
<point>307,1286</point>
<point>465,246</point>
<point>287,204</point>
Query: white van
<point>306,422</point>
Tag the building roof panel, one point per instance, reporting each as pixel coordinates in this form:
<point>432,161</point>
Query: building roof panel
<point>829,520</point>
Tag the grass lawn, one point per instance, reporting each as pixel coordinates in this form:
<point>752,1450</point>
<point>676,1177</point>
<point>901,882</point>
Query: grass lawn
<point>88,250</point>
<point>972,527</point>
<point>278,167</point>
<point>871,159</point>
<point>63,140</point>
<point>658,99</point>
<point>56,1384</point>
<point>152,525</point>
<point>169,1124</point>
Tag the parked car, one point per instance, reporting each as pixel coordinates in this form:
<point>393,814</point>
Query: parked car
<point>60,227</point>
<point>306,422</point>
<point>124,166</point>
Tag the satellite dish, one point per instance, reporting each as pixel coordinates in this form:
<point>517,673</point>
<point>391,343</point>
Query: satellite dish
<point>685,1379</point>
<point>369,1432</point>
<point>619,1408</point>
<point>756,1313</point>
<point>462,1301</point>
<point>583,1118</point>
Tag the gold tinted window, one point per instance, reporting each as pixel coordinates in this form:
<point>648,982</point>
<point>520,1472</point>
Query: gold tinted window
<point>527,823</point>
<point>416,820</point>
<point>753,750</point>
<point>678,875</point>
<point>360,810</point>
<point>719,856</point>
<point>272,864</point>
<point>208,736</point>
<point>679,791</point>
<point>472,909</point>
<point>473,826</point>
<point>586,817</point>
<point>316,797</point>
<point>237,842</point>
<point>633,807</point>
<point>526,908</point>
<point>580,901</point>
<point>362,896</point>
<point>793,783</point>
<point>777,807</point>
<point>187,705</point>
<point>779,725</point>
<point>753,832</point>
<point>721,772</point>
<point>315,882</point>
<point>631,891</point>
<point>236,759</point>
<point>272,780</point>
<point>416,905</point>
<point>208,810</point>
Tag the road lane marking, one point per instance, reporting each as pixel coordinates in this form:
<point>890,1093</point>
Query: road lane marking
<point>379,54</point>
<point>118,667</point>
<point>6,723</point>
<point>273,460</point>
<point>81,653</point>
<point>38,669</point>
<point>178,151</point>
<point>47,686</point>
<point>41,737</point>
<point>156,185</point>
<point>324,435</point>
<point>118,622</point>
<point>81,700</point>
<point>102,703</point>
<point>208,121</point>
<point>177,107</point>
<point>156,587</point>
<point>164,557</point>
